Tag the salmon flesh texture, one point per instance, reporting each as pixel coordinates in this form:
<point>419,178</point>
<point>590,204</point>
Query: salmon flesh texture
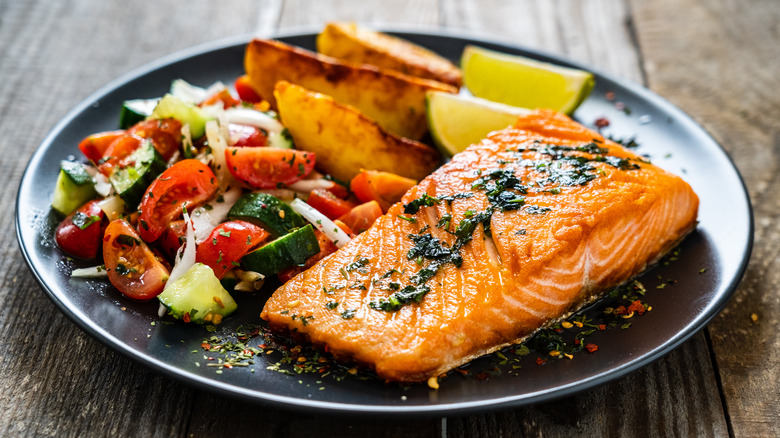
<point>515,232</point>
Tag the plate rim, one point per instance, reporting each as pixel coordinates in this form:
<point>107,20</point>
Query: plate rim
<point>293,403</point>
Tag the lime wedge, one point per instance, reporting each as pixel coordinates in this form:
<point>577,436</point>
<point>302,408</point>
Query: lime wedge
<point>457,121</point>
<point>519,81</point>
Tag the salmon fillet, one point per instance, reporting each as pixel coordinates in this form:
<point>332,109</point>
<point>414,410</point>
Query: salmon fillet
<point>515,232</point>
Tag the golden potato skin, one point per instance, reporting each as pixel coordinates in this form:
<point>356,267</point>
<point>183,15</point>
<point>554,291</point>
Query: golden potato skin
<point>394,100</point>
<point>350,42</point>
<point>344,140</point>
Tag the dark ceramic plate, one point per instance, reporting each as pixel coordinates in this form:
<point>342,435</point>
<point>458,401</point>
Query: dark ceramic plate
<point>721,244</point>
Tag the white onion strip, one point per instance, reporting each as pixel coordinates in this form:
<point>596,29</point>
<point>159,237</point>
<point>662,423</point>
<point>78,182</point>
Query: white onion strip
<point>185,257</point>
<point>321,222</point>
<point>91,272</point>
<point>205,219</point>
<point>246,116</point>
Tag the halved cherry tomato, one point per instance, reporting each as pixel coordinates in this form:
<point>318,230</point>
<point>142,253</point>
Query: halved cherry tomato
<point>245,90</point>
<point>383,187</point>
<point>245,135</point>
<point>172,238</point>
<point>131,266</point>
<point>228,243</point>
<point>223,96</point>
<point>81,233</point>
<point>266,168</point>
<point>327,247</point>
<point>361,218</point>
<point>117,151</point>
<point>328,204</point>
<point>164,133</point>
<point>188,183</point>
<point>94,147</point>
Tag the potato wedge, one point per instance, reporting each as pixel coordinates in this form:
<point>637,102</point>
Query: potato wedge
<point>350,42</point>
<point>344,140</point>
<point>394,100</point>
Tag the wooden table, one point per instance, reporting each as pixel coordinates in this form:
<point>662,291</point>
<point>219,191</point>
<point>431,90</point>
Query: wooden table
<point>719,60</point>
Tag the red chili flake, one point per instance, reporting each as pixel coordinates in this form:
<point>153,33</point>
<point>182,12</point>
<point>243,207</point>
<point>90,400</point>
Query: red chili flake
<point>205,346</point>
<point>637,307</point>
<point>186,317</point>
<point>610,95</point>
<point>482,376</point>
<point>559,330</point>
<point>262,346</point>
<point>462,371</point>
<point>248,352</point>
<point>592,348</point>
<point>621,310</point>
<point>540,361</point>
<point>228,366</point>
<point>576,342</point>
<point>601,122</point>
<point>602,326</point>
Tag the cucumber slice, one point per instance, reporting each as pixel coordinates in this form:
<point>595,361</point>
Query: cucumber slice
<point>282,140</point>
<point>289,250</point>
<point>268,212</point>
<point>199,295</point>
<point>74,188</point>
<point>131,182</point>
<point>134,111</point>
<point>171,106</point>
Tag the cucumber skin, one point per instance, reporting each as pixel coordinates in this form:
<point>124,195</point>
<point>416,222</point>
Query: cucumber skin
<point>289,250</point>
<point>149,165</point>
<point>73,189</point>
<point>263,210</point>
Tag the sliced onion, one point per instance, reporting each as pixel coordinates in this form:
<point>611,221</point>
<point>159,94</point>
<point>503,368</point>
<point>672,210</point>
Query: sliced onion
<point>218,144</point>
<point>205,219</point>
<point>102,185</point>
<point>91,272</point>
<point>113,206</point>
<point>185,257</point>
<point>246,116</point>
<point>321,222</point>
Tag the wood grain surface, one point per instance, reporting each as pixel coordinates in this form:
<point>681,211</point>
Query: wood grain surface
<point>719,60</point>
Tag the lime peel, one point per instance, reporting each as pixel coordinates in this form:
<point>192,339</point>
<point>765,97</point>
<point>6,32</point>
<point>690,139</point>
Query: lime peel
<point>524,82</point>
<point>457,121</point>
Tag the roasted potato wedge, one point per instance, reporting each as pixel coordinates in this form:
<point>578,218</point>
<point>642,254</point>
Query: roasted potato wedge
<point>350,42</point>
<point>394,100</point>
<point>344,140</point>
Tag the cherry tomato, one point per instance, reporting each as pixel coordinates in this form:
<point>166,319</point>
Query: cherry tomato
<point>245,135</point>
<point>245,90</point>
<point>361,218</point>
<point>164,133</point>
<point>188,183</point>
<point>94,147</point>
<point>228,243</point>
<point>131,266</point>
<point>117,151</point>
<point>172,238</point>
<point>383,187</point>
<point>81,233</point>
<point>266,168</point>
<point>328,204</point>
<point>223,96</point>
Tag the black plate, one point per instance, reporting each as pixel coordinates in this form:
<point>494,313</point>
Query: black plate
<point>721,244</point>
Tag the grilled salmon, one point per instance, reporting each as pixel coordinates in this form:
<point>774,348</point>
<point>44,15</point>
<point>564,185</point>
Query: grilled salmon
<point>512,234</point>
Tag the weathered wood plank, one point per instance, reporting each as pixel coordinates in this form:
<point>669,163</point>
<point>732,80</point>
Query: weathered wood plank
<point>719,61</point>
<point>56,380</point>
